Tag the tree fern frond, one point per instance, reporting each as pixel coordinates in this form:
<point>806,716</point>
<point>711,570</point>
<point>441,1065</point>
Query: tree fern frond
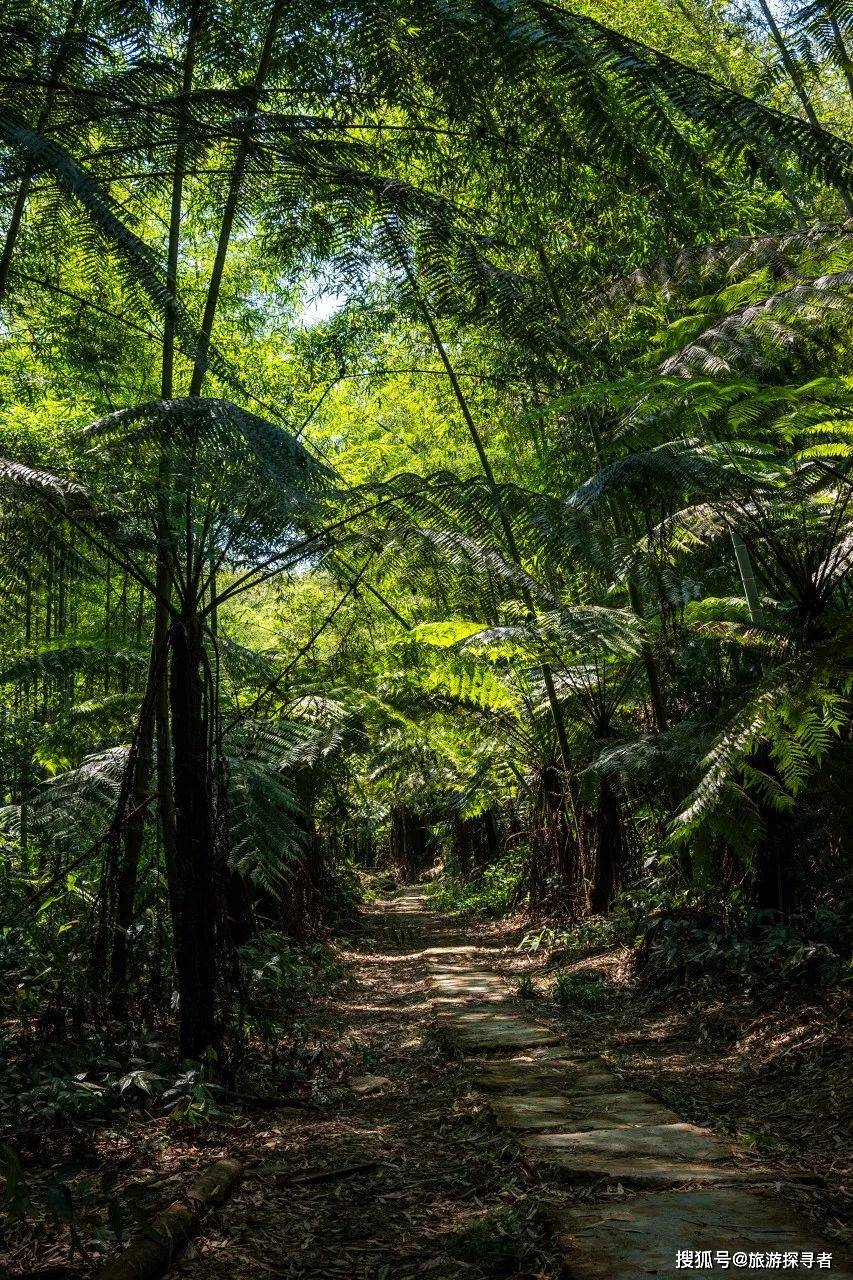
<point>68,658</point>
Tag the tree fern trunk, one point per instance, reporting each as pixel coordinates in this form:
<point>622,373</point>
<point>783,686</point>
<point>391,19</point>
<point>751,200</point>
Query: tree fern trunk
<point>107,623</point>
<point>555,856</point>
<point>195,889</point>
<point>163,575</point>
<point>134,835</point>
<point>610,851</point>
<point>154,726</point>
<point>476,843</point>
<point>407,843</point>
<point>162,731</point>
<point>176,209</point>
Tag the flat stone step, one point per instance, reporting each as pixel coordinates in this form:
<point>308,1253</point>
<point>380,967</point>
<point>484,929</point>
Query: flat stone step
<point>558,1054</point>
<point>489,1028</point>
<point>571,1077</point>
<point>449,951</point>
<point>461,1002</point>
<point>467,986</point>
<point>450,965</point>
<point>643,1237</point>
<point>656,1152</point>
<point>579,1115</point>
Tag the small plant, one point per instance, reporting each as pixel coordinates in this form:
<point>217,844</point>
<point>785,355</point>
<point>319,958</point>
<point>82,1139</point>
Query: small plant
<point>193,1094</point>
<point>585,939</point>
<point>525,989</point>
<point>281,975</point>
<point>15,1196</point>
<point>689,948</point>
<point>371,1058</point>
<point>580,991</point>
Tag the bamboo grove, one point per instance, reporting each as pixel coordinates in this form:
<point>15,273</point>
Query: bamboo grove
<point>426,433</point>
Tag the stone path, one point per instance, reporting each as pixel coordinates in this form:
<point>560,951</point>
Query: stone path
<point>573,1117</point>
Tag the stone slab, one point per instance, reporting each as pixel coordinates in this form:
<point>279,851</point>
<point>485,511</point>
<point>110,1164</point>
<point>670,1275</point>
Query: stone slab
<point>679,1141</point>
<point>474,976</point>
<point>474,998</point>
<point>444,950</point>
<point>545,1076</point>
<point>642,1170</point>
<point>573,1115</point>
<point>641,1237</point>
<point>490,1028</point>
<point>557,1055</point>
<point>658,1153</point>
<point>463,1002</point>
<point>467,986</point>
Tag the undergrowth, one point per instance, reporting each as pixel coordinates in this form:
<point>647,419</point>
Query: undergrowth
<point>693,942</point>
<point>492,894</point>
<point>584,991</point>
<point>56,1092</point>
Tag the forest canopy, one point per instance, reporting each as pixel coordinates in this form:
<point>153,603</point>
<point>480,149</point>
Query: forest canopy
<point>426,435</point>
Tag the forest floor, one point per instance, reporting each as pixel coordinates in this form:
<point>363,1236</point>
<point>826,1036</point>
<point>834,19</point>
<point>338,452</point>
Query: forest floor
<point>399,1170</point>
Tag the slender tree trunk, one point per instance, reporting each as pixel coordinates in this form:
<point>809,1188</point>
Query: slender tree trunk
<point>154,727</point>
<point>196,878</point>
<point>166,805</point>
<point>476,843</point>
<point>25,819</point>
<point>555,857</point>
<point>26,758</point>
<point>133,837</point>
<point>610,851</point>
<point>747,577</point>
<point>237,907</point>
<point>509,536</point>
<point>635,600</point>
<point>12,232</point>
<point>790,65</point>
<point>603,879</point>
<point>652,674</point>
<point>407,843</point>
<point>841,49</point>
<point>774,852</point>
<point>167,373</point>
<point>229,211</point>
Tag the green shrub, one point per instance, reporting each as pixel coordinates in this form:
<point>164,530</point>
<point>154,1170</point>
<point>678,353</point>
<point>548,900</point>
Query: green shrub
<point>281,974</point>
<point>588,938</point>
<point>525,989</point>
<point>687,949</point>
<point>580,991</point>
<point>492,895</point>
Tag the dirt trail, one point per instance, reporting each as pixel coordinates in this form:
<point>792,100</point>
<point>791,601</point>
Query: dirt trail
<point>467,1140</point>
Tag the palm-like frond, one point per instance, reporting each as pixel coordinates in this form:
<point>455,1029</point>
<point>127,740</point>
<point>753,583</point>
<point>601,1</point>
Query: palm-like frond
<point>70,658</point>
<point>75,808</point>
